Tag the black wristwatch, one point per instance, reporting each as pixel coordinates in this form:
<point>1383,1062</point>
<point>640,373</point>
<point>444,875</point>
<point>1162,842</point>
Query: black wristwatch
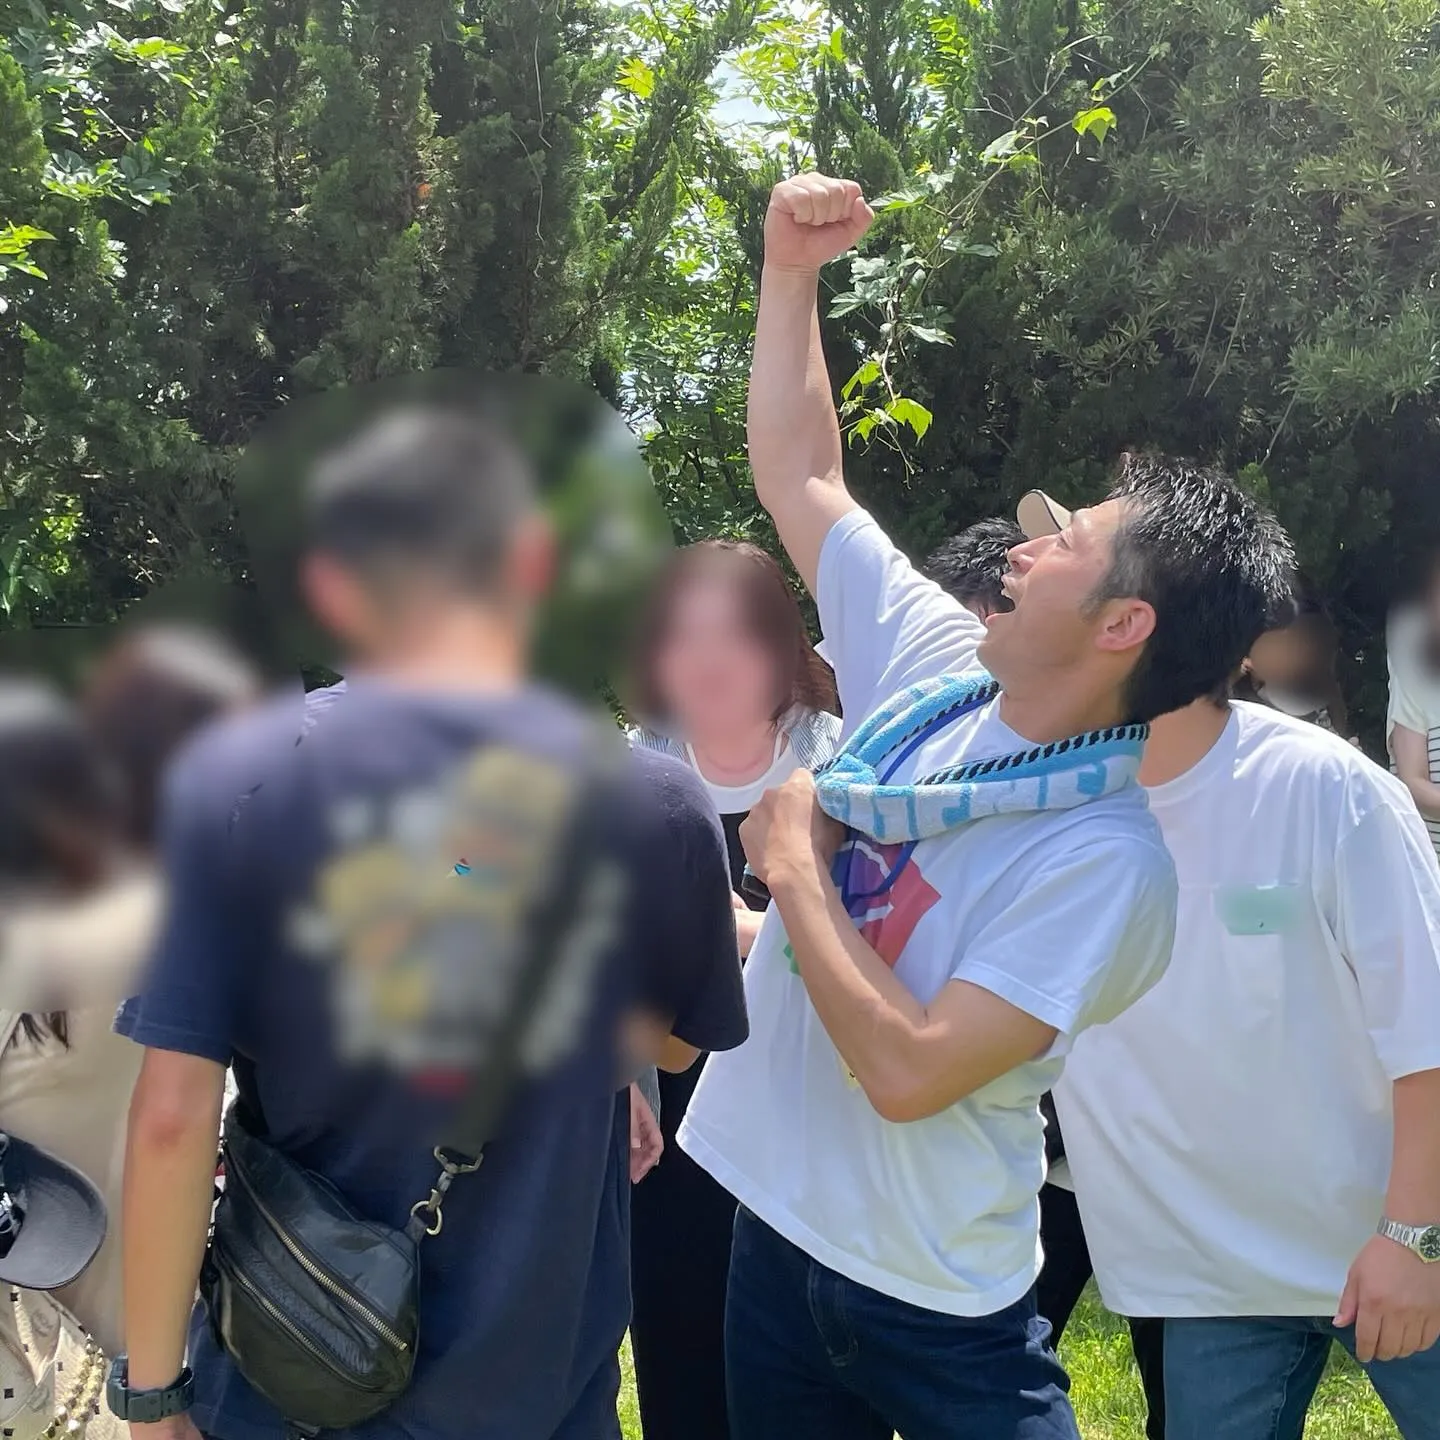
<point>144,1407</point>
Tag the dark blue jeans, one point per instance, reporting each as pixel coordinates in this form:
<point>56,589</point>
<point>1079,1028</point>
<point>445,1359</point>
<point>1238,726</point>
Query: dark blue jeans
<point>1254,1379</point>
<point>810,1355</point>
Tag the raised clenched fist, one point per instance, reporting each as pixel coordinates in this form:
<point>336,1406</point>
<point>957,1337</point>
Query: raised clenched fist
<point>812,219</point>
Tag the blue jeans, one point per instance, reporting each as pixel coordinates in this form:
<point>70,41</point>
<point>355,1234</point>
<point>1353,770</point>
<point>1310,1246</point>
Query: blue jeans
<point>811,1355</point>
<point>1253,1379</point>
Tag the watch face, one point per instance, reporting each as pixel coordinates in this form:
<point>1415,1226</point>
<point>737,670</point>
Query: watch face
<point>1428,1246</point>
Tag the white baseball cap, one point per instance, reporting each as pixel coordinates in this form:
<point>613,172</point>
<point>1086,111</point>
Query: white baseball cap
<point>1039,515</point>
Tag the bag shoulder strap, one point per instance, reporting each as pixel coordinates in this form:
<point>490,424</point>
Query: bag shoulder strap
<point>548,927</point>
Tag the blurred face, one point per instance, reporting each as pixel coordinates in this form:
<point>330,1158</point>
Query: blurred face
<point>1053,629</point>
<point>1285,658</point>
<point>714,676</point>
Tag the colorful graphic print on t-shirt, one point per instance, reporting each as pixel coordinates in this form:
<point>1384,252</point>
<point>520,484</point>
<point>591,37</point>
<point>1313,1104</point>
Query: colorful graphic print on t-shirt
<point>885,895</point>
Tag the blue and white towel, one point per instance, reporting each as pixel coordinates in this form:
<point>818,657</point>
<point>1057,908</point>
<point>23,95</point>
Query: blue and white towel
<point>853,790</point>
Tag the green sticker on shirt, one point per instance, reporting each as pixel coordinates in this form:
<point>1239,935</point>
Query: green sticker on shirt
<point>1258,909</point>
<point>790,956</point>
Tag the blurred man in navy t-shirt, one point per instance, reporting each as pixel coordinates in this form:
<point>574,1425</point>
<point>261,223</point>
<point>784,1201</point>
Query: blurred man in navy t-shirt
<point>426,558</point>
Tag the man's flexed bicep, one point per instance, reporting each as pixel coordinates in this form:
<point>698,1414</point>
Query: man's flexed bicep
<point>796,453</point>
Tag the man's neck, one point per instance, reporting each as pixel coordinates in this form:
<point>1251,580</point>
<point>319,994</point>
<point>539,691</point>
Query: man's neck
<point>1044,719</point>
<point>463,654</point>
<point>1181,740</point>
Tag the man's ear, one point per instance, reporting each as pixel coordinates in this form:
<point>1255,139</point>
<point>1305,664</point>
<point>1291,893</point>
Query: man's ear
<point>533,558</point>
<point>328,592</point>
<point>1128,624</point>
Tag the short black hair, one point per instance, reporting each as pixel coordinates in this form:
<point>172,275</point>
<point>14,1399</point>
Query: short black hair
<point>971,565</point>
<point>424,486</point>
<point>1212,563</point>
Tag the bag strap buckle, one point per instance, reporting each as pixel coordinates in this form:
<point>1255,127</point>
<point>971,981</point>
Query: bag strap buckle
<point>426,1216</point>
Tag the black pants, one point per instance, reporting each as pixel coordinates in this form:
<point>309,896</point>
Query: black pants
<point>1067,1271</point>
<point>681,1224</point>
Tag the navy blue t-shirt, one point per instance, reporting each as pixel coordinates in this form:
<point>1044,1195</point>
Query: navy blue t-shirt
<point>526,1288</point>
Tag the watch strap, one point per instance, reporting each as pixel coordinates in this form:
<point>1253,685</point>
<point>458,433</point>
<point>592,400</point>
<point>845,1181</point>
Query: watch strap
<point>1421,1240</point>
<point>145,1407</point>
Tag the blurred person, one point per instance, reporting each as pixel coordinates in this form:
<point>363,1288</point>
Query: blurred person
<point>76,918</point>
<point>974,881</point>
<point>1256,1143</point>
<point>1291,667</point>
<point>1412,721</point>
<point>298,868</point>
<point>83,934</point>
<point>727,681</point>
<point>148,695</point>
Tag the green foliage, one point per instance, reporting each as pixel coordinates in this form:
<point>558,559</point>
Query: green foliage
<point>214,208</point>
<point>1205,225</point>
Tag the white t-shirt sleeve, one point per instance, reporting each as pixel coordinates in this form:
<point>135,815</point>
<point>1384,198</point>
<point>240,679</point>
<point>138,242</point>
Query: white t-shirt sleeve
<point>885,625</point>
<point>1091,933</point>
<point>1388,929</point>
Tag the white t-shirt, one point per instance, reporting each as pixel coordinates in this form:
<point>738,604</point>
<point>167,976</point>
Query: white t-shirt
<point>1068,915</point>
<point>1230,1136</point>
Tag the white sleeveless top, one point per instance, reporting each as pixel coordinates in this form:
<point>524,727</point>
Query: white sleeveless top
<point>805,738</point>
<point>738,799</point>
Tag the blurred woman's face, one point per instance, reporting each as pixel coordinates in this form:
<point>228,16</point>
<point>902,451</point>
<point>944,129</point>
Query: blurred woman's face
<point>713,675</point>
<point>1284,658</point>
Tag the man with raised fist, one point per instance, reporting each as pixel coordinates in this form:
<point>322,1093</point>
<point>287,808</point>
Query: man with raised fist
<point>974,881</point>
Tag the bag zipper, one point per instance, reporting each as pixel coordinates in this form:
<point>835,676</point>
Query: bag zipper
<point>291,1328</point>
<point>312,1269</point>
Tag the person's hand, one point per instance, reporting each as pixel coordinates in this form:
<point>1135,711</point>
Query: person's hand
<point>646,1142</point>
<point>812,219</point>
<point>788,833</point>
<point>1392,1298</point>
<point>747,925</point>
<point>176,1427</point>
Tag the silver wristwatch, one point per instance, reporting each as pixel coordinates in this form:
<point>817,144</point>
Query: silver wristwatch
<point>1423,1240</point>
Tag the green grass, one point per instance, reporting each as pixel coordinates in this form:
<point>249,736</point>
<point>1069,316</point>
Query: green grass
<point>1110,1406</point>
<point>1107,1397</point>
